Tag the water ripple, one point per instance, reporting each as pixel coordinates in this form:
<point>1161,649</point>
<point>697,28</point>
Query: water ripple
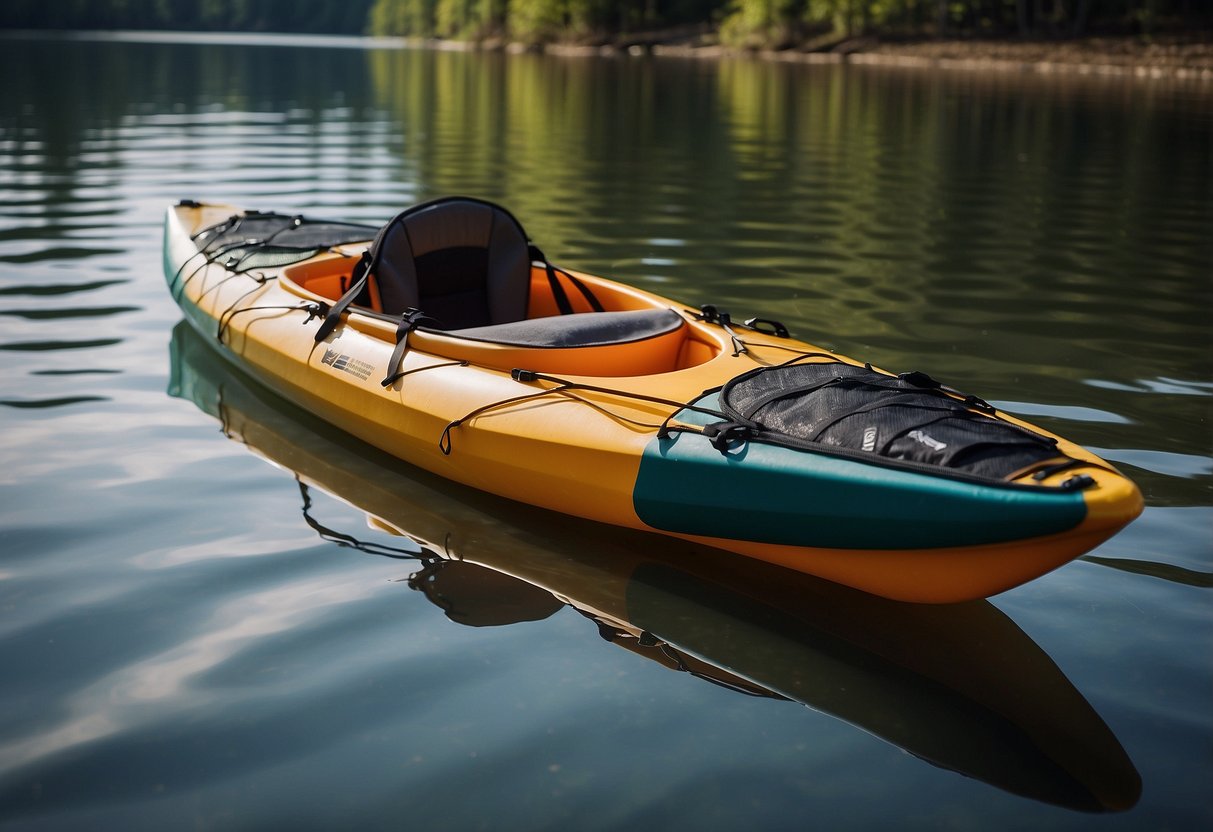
<point>59,288</point>
<point>1159,386</point>
<point>43,404</point>
<point>1069,412</point>
<point>58,254</point>
<point>1187,466</point>
<point>61,312</point>
<point>48,346</point>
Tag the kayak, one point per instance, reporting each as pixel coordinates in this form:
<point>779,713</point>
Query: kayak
<point>959,685</point>
<point>446,339</point>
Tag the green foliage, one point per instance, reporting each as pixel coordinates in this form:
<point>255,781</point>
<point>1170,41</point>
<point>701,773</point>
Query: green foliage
<point>535,19</point>
<point>755,23</point>
<point>415,18</point>
<point>763,22</point>
<point>452,17</point>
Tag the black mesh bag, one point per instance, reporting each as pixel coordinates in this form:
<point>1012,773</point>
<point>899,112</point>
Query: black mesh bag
<point>264,241</point>
<point>909,417</point>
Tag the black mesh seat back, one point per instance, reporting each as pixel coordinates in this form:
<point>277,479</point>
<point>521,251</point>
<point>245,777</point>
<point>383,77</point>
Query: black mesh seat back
<point>463,262</point>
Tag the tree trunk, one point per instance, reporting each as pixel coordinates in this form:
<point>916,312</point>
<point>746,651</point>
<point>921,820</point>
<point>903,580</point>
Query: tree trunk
<point>1080,18</point>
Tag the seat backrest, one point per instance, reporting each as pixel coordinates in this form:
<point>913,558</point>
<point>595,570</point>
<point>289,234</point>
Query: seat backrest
<point>463,262</point>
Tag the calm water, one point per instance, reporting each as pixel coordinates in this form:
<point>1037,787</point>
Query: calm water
<point>191,638</point>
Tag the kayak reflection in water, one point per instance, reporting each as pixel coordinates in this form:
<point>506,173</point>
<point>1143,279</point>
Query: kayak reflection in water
<point>960,686</point>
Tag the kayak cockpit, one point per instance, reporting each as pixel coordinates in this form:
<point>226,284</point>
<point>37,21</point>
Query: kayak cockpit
<point>632,335</point>
<point>461,278</point>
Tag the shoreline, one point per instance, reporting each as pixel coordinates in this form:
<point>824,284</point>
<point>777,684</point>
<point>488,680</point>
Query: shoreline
<point>1171,57</point>
<point>1118,57</point>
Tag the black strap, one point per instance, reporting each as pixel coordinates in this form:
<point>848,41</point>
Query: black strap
<point>585,291</point>
<point>409,321</point>
<point>724,436</point>
<point>558,293</point>
<point>921,379</point>
<point>333,318</point>
<point>562,299</point>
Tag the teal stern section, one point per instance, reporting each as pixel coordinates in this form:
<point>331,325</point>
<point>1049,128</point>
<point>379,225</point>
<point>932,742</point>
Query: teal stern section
<point>769,494</point>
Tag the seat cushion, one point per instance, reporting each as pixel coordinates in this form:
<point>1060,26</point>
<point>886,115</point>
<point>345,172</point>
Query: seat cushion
<point>584,329</point>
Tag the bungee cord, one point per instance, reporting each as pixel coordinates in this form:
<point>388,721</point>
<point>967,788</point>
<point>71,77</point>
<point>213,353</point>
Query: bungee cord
<point>562,387</point>
<point>225,319</point>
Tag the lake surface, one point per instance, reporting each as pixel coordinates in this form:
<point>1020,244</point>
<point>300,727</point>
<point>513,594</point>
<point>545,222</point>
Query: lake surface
<point>193,638</point>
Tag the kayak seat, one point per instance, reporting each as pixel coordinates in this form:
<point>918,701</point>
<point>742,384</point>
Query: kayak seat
<point>464,262</point>
<point>585,329</point>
